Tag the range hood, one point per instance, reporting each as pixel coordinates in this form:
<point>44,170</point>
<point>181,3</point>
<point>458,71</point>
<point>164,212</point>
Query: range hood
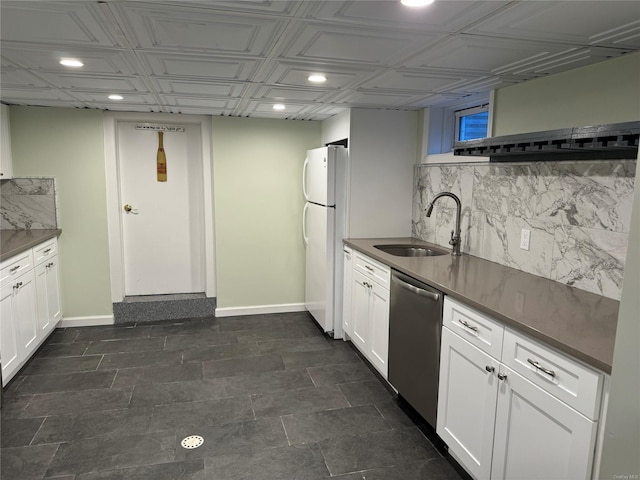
<point>612,141</point>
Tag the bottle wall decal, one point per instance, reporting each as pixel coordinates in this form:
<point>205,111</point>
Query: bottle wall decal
<point>161,162</point>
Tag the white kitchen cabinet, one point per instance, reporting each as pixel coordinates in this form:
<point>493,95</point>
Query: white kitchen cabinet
<point>48,295</point>
<point>538,436</point>
<point>12,272</point>
<point>30,304</point>
<point>8,333</point>
<point>467,398</point>
<point>6,159</point>
<point>19,323</point>
<point>379,328</point>
<point>360,295</point>
<point>49,309</point>
<point>26,310</point>
<point>501,425</point>
<point>370,310</point>
<point>346,296</point>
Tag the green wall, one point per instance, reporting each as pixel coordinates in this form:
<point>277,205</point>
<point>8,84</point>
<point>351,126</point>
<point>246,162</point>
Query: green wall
<point>67,144</point>
<point>607,92</point>
<point>257,166</point>
<point>257,170</point>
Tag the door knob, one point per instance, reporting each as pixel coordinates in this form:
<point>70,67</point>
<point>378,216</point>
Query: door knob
<point>128,208</point>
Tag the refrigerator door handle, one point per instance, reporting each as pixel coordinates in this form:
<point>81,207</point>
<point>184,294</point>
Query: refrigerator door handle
<point>304,223</point>
<point>304,178</point>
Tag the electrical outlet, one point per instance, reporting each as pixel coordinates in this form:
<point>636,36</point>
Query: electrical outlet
<point>525,236</point>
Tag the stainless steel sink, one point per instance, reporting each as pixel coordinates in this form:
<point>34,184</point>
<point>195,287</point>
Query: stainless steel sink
<point>411,250</point>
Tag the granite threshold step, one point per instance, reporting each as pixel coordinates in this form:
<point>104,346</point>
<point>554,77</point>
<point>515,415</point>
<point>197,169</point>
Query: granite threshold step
<point>151,308</point>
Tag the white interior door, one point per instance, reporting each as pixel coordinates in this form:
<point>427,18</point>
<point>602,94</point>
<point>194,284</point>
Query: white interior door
<point>163,233</point>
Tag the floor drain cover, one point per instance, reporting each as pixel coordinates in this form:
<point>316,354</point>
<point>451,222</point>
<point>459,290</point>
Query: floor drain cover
<point>192,441</point>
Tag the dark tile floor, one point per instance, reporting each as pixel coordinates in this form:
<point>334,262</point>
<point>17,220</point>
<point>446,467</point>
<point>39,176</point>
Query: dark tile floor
<point>271,395</point>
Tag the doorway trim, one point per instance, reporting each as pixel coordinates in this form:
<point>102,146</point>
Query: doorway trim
<point>114,225</point>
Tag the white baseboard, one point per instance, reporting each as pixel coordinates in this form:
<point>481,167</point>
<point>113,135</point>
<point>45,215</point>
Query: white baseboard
<point>260,309</point>
<point>85,321</point>
<point>220,312</point>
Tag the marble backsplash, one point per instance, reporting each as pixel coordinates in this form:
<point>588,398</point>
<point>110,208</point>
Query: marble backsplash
<point>28,203</point>
<point>578,214</point>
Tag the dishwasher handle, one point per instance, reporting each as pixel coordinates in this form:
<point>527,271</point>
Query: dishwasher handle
<point>418,291</point>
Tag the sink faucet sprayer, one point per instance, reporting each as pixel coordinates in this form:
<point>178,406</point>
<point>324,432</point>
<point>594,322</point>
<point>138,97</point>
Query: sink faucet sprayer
<point>455,234</point>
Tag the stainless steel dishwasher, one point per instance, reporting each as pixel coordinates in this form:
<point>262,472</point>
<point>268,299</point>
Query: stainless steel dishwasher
<point>415,327</point>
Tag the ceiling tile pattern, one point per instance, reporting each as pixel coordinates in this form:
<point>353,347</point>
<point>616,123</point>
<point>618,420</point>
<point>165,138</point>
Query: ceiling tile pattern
<point>241,57</point>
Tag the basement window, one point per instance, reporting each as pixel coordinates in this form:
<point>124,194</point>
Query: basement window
<point>472,123</point>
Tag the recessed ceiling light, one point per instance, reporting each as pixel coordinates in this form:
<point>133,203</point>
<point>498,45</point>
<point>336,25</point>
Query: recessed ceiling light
<point>71,62</point>
<point>116,97</point>
<point>317,78</point>
<point>278,106</point>
<point>416,3</point>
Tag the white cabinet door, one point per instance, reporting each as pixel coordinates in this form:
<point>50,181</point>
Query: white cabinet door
<point>48,296</point>
<point>54,295</point>
<point>41,296</point>
<point>8,333</point>
<point>26,315</point>
<point>369,319</point>
<point>360,310</point>
<point>467,396</point>
<point>538,436</point>
<point>346,296</point>
<point>379,328</point>
<point>19,332</point>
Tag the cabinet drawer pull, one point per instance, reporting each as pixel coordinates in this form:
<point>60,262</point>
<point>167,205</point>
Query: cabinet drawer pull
<point>551,373</point>
<point>369,268</point>
<point>468,325</point>
<point>17,267</point>
<point>47,251</point>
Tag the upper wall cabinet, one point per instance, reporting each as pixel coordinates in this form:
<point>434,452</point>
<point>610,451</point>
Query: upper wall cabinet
<point>6,161</point>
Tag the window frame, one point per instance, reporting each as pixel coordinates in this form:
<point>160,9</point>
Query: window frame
<point>438,125</point>
<point>458,114</point>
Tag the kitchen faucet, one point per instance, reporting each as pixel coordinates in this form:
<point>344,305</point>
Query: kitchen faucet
<point>455,234</point>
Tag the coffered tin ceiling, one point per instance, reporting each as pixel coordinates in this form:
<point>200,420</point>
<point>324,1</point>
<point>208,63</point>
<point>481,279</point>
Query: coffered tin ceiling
<point>241,57</point>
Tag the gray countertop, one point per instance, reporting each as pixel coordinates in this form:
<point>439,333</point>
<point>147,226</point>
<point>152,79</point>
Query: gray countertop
<point>579,323</point>
<point>13,242</point>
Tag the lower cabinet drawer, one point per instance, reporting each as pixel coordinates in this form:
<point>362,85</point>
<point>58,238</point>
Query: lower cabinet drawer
<point>475,327</point>
<point>45,251</point>
<point>15,266</point>
<point>378,272</point>
<point>563,377</point>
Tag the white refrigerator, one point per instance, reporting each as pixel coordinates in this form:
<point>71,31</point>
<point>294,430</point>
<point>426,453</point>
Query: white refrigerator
<point>324,180</point>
